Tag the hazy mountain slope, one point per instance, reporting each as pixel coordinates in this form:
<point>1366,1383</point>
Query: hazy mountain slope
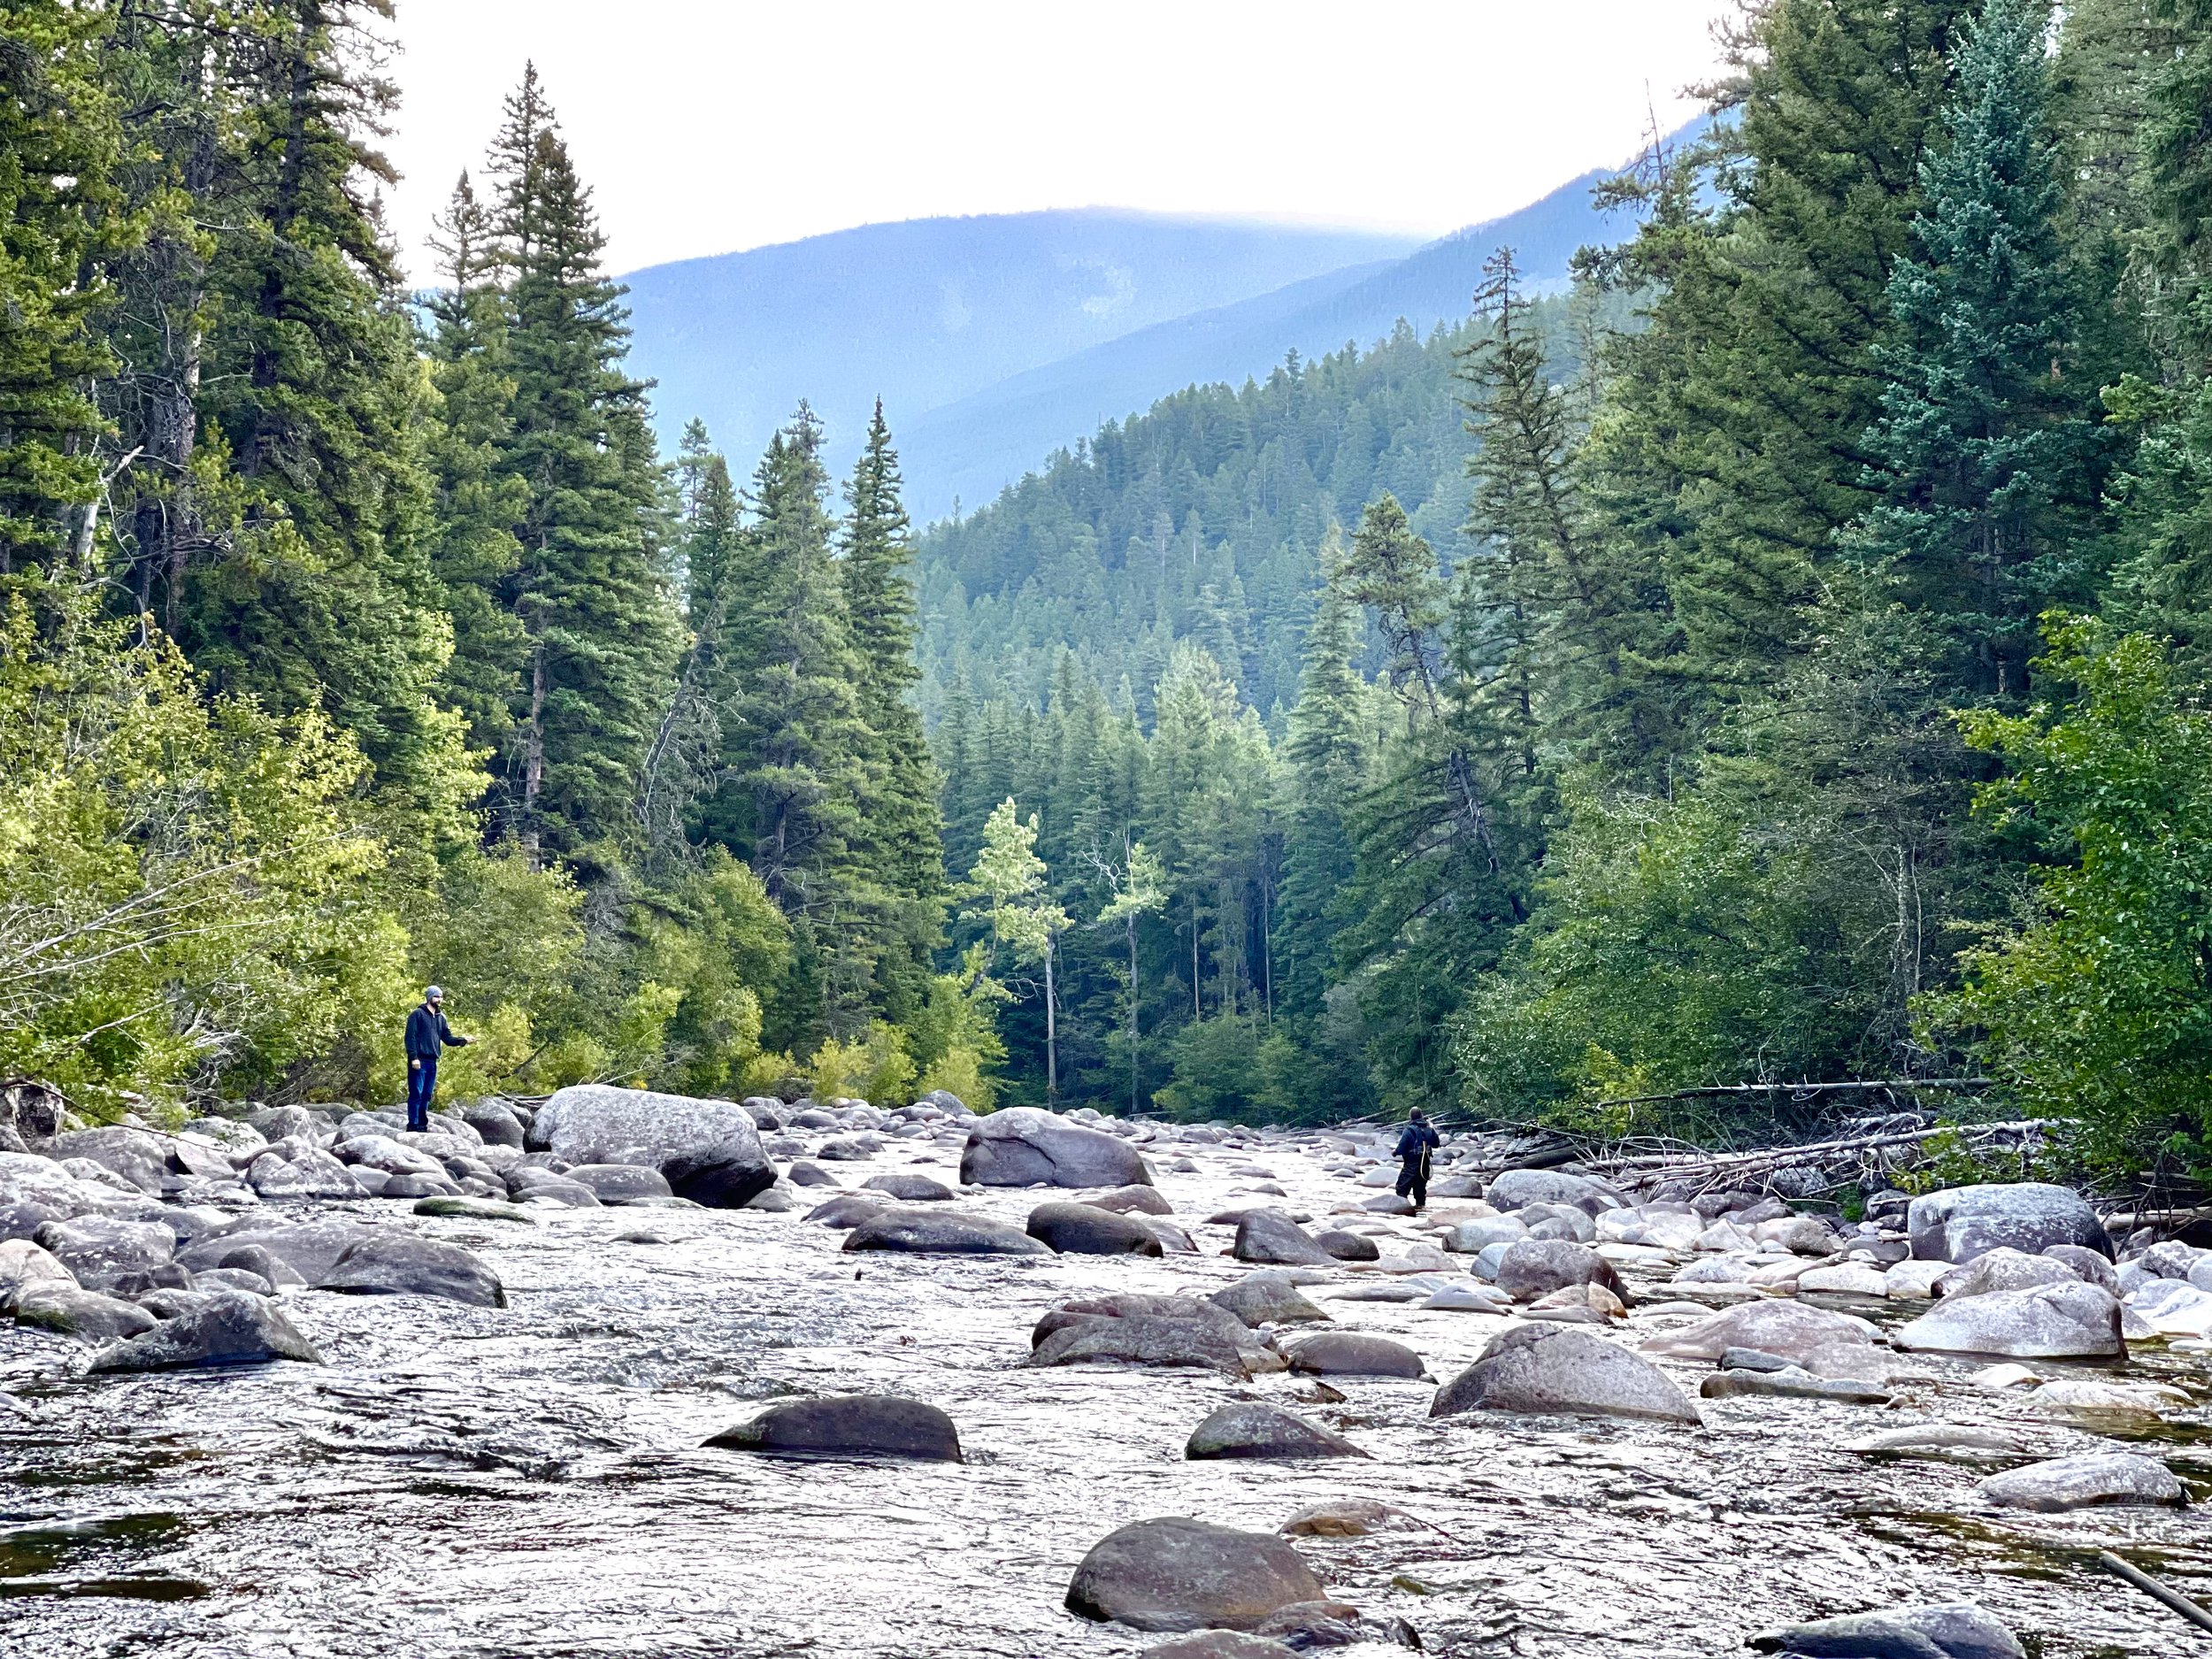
<point>929,311</point>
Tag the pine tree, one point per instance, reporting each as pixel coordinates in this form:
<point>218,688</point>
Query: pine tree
<point>903,843</point>
<point>594,608</point>
<point>1984,444</point>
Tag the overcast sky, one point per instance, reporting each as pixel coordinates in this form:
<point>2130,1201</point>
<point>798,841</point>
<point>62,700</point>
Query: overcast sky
<point>705,125</point>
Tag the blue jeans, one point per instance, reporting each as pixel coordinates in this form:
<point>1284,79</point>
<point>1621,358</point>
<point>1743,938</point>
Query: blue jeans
<point>422,1083</point>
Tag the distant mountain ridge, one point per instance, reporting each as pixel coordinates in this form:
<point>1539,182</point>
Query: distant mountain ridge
<point>926,311</point>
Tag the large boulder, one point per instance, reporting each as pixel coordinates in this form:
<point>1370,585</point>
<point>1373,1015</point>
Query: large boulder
<point>938,1232</point>
<point>231,1328</point>
<point>1267,1297</point>
<point>1129,1304</point>
<point>1957,1630</point>
<point>2068,1321</point>
<point>848,1426</point>
<point>24,1266</point>
<point>1272,1237</point>
<point>1252,1428</point>
<point>297,1172</point>
<point>849,1210</point>
<point>1175,1574</point>
<point>394,1263</point>
<point>102,1253</point>
<point>383,1152</point>
<point>1515,1189</point>
<point>906,1185</point>
<point>2005,1268</point>
<point>308,1249</point>
<point>1531,1268</point>
<point>495,1122</point>
<point>2075,1482</point>
<point>1353,1354</point>
<point>84,1314</point>
<point>138,1158</point>
<point>1559,1369</point>
<point>709,1151</point>
<point>1960,1223</point>
<point>1024,1145</point>
<point>1080,1229</point>
<point>1793,1331</point>
<point>1141,1338</point>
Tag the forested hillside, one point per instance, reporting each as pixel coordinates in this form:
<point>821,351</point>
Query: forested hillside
<point>1782,658</point>
<point>1798,677</point>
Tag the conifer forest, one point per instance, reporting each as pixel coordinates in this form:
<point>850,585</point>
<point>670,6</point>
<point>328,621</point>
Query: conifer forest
<point>1779,655</point>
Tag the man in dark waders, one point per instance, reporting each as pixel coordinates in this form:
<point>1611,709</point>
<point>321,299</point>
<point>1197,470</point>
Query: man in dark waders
<point>1416,1142</point>
<point>428,1036</point>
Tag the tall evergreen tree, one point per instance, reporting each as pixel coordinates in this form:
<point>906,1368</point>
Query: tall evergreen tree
<point>904,847</point>
<point>1985,442</point>
<point>591,602</point>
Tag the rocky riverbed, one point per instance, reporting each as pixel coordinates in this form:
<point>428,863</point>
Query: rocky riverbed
<point>450,1476</point>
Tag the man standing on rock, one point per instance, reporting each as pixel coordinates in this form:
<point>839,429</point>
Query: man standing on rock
<point>427,1037</point>
<point>1416,1142</point>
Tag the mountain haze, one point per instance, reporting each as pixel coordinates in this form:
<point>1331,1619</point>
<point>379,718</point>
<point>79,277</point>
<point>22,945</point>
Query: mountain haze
<point>930,310</point>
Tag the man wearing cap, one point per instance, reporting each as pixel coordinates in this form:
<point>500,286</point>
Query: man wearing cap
<point>427,1037</point>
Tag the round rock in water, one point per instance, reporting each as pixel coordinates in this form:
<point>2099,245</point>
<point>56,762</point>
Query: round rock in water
<point>1252,1428</point>
<point>2004,1268</point>
<point>709,1151</point>
<point>1561,1370</point>
<point>1024,1145</point>
<point>1153,1339</point>
<point>621,1183</point>
<point>2073,1320</point>
<point>1348,1247</point>
<point>1792,1330</point>
<point>1174,1574</point>
<point>1350,1354</point>
<point>1536,1267</point>
<point>1343,1517</point>
<point>848,1426</point>
<point>400,1264</point>
<point>25,1265</point>
<point>1516,1188</point>
<point>1267,1298</point>
<point>1221,1644</point>
<point>1080,1229</point>
<point>231,1329</point>
<point>1962,1222</point>
<point>84,1314</point>
<point>138,1158</point>
<point>2075,1482</point>
<point>942,1231</point>
<point>908,1188</point>
<point>1272,1237</point>
<point>1148,1201</point>
<point>1957,1630</point>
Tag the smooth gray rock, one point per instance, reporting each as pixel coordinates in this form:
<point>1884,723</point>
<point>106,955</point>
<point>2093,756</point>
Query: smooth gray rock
<point>1024,1145</point>
<point>1516,1188</point>
<point>1080,1230</point>
<point>1960,1223</point>
<point>2004,1268</point>
<point>2088,1266</point>
<point>102,1252</point>
<point>1353,1354</point>
<point>621,1183</point>
<point>1148,1201</point>
<point>465,1209</point>
<point>385,1152</point>
<point>84,1314</point>
<point>1792,1330</point>
<point>848,1426</point>
<point>308,1248</point>
<point>302,1173</point>
<point>1252,1428</point>
<point>2066,1321</point>
<point>1791,1382</point>
<point>495,1121</point>
<point>2075,1482</point>
<point>1272,1237</point>
<point>906,1186</point>
<point>1348,1247</point>
<point>233,1328</point>
<point>1129,1304</point>
<point>1563,1370</point>
<point>273,1123</point>
<point>1469,1238</point>
<point>237,1278</point>
<point>432,1186</point>
<point>709,1151</point>
<point>1957,1630</point>
<point>849,1210</point>
<point>1221,1644</point>
<point>1267,1298</point>
<point>394,1263</point>
<point>25,1265</point>
<point>938,1232</point>
<point>138,1158</point>
<point>1153,1339</point>
<point>803,1173</point>
<point>1531,1268</point>
<point>1175,1574</point>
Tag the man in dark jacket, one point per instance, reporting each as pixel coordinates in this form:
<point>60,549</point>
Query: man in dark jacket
<point>427,1037</point>
<point>1415,1141</point>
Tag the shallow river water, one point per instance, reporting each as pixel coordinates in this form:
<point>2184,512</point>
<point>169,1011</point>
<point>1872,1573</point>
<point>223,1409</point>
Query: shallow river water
<point>530,1480</point>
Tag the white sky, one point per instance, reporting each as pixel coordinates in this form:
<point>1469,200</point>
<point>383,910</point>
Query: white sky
<point>706,126</point>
